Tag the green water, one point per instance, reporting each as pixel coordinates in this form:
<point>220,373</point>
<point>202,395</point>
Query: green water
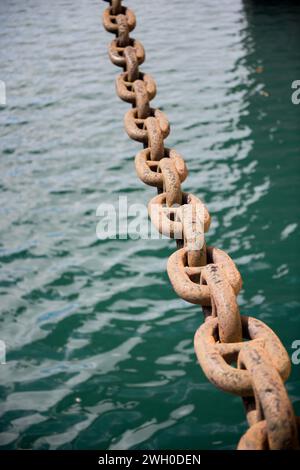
<point>99,348</point>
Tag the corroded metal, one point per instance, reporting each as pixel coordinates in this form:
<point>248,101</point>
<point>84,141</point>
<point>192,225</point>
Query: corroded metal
<point>132,64</point>
<point>116,6</point>
<point>215,357</point>
<point>123,31</point>
<point>199,274</point>
<point>136,128</point>
<point>110,23</point>
<point>223,301</point>
<point>272,403</point>
<point>116,51</point>
<point>141,99</point>
<point>125,88</point>
<point>166,220</point>
<point>186,283</point>
<point>256,437</point>
<point>155,138</point>
<point>149,171</point>
<point>171,182</point>
<point>193,231</point>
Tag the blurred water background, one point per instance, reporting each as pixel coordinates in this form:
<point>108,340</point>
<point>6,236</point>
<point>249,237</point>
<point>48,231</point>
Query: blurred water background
<point>99,347</point>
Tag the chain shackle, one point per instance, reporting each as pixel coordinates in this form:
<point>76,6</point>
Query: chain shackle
<point>109,19</point>
<point>215,358</point>
<point>116,51</point>
<point>224,304</point>
<point>186,280</point>
<point>272,403</point>
<point>136,128</point>
<point>125,89</point>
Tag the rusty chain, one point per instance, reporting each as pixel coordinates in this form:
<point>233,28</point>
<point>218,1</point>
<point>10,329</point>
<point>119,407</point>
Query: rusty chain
<point>201,274</point>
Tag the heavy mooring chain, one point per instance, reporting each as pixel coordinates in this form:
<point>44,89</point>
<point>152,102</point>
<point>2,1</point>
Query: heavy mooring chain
<point>201,274</point>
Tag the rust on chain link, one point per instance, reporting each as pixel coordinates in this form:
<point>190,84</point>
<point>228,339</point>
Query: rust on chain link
<point>171,182</point>
<point>270,397</point>
<point>149,171</point>
<point>125,89</point>
<point>256,437</point>
<point>193,231</point>
<point>123,31</point>
<point>200,274</point>
<point>132,64</point>
<point>136,128</point>
<point>215,357</point>
<point>141,99</point>
<point>110,22</point>
<point>165,219</point>
<point>155,138</point>
<point>223,301</point>
<point>116,52</point>
<point>186,280</point>
<point>116,6</point>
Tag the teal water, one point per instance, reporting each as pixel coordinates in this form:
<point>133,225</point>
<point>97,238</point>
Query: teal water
<point>99,348</point>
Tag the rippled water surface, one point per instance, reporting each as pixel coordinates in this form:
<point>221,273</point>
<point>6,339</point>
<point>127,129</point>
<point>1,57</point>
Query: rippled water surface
<point>99,347</point>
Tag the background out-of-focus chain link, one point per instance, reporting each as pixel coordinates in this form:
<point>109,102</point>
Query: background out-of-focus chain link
<point>202,274</point>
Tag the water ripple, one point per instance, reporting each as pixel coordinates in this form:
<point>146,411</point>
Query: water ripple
<point>99,348</point>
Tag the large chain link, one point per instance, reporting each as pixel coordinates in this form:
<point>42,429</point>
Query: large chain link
<point>202,275</point>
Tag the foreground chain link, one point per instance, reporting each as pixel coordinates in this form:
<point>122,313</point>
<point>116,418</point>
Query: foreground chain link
<point>199,274</point>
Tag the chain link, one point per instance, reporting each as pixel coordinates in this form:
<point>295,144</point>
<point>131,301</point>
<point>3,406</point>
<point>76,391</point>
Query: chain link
<point>137,128</point>
<point>200,274</point>
<point>270,402</point>
<point>126,91</point>
<point>117,47</point>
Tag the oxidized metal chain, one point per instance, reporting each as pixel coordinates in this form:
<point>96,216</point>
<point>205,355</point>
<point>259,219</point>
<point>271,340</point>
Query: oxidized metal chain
<point>202,274</point>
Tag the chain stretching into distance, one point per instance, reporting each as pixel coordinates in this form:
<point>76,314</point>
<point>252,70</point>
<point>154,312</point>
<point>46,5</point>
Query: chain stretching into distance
<point>202,274</point>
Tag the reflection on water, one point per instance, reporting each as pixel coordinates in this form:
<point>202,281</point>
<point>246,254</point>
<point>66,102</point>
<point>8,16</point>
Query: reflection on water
<point>99,348</point>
